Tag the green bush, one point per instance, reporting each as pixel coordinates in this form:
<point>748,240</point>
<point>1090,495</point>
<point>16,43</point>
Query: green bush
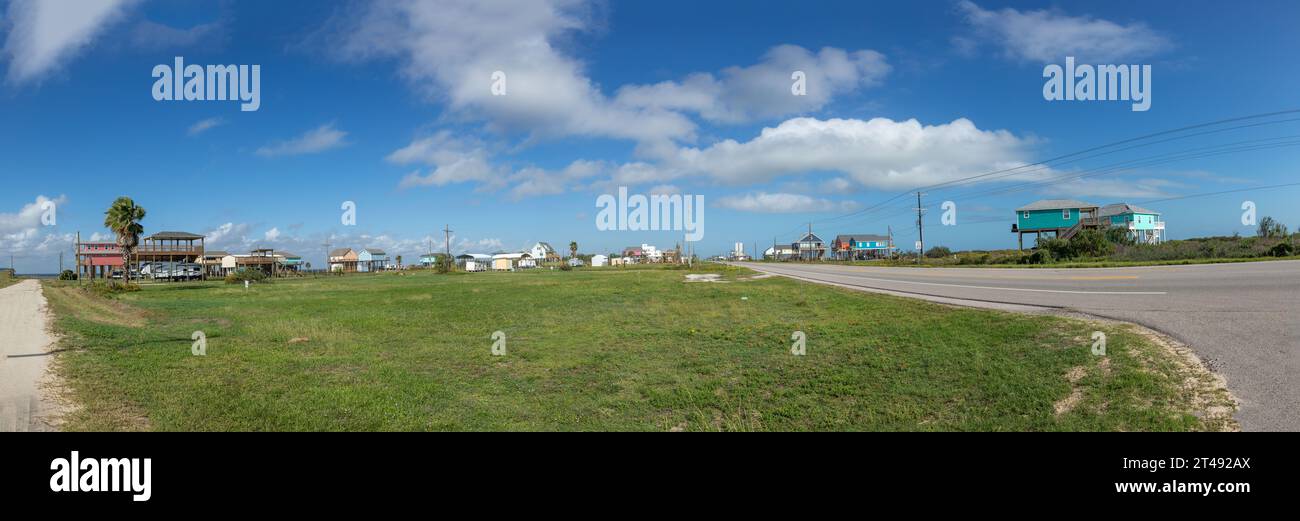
<point>67,275</point>
<point>1090,243</point>
<point>240,276</point>
<point>1282,249</point>
<point>113,287</point>
<point>443,266</point>
<point>1040,256</point>
<point>938,252</point>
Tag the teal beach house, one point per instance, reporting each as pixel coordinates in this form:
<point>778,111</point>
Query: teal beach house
<point>1061,217</point>
<point>1144,226</point>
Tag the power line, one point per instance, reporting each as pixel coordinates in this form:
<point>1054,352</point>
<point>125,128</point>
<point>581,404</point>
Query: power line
<point>1086,151</point>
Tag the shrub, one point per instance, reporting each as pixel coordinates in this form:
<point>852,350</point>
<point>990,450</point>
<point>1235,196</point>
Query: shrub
<point>67,275</point>
<point>240,276</point>
<point>566,267</point>
<point>1090,243</point>
<point>938,252</point>
<point>1040,256</point>
<point>1269,227</point>
<point>1055,248</point>
<point>1118,235</point>
<point>113,287</point>
<point>1282,249</point>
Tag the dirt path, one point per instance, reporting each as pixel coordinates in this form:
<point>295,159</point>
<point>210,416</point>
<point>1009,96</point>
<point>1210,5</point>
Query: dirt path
<point>25,346</point>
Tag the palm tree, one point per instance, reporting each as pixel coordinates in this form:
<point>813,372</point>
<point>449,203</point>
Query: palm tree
<point>573,249</point>
<point>123,218</point>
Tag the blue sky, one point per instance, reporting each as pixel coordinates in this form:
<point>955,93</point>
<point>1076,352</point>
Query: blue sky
<point>389,105</point>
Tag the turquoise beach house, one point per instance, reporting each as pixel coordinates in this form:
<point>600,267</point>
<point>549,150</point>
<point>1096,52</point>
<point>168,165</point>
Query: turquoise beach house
<point>1062,217</point>
<point>1144,226</point>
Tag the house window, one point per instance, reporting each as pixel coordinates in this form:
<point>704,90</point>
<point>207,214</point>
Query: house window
<point>1026,215</point>
<point>1065,214</point>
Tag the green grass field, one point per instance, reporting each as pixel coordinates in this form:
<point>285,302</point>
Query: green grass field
<point>602,349</point>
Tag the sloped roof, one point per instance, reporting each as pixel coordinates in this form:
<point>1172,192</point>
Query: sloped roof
<point>1055,204</point>
<point>168,236</point>
<point>376,251</point>
<point>287,255</point>
<point>546,247</point>
<point>215,253</point>
<point>341,252</point>
<point>1123,208</point>
<point>811,237</point>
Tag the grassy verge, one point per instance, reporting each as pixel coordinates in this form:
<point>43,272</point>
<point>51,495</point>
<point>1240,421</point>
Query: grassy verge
<point>602,349</point>
<point>6,280</point>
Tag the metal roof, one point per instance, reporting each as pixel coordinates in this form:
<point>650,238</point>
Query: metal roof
<point>168,236</point>
<point>1055,204</point>
<point>341,252</point>
<point>1123,208</point>
<point>376,251</point>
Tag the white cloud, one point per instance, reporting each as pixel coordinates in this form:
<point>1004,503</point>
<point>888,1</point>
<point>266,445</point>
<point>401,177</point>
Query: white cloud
<point>319,139</point>
<point>29,216</point>
<point>531,182</point>
<point>763,202</point>
<point>453,159</point>
<point>1049,36</point>
<point>46,34</point>
<point>452,48</point>
<point>203,125</point>
<point>460,160</point>
<point>21,232</point>
<point>763,90</point>
<point>1112,188</point>
<point>272,234</point>
<point>880,153</point>
<point>227,236</point>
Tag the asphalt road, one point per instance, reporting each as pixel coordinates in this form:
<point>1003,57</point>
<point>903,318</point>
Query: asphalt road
<point>1241,319</point>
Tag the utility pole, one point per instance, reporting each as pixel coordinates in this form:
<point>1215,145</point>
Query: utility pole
<point>446,229</point>
<point>890,246</point>
<point>920,229</point>
<point>328,268</point>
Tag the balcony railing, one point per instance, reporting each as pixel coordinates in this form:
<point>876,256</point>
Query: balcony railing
<point>167,248</point>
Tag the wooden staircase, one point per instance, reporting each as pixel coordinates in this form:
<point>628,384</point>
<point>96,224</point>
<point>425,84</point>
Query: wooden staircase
<point>1085,222</point>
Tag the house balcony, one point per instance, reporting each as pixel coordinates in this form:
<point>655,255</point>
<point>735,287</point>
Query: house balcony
<point>1156,226</point>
